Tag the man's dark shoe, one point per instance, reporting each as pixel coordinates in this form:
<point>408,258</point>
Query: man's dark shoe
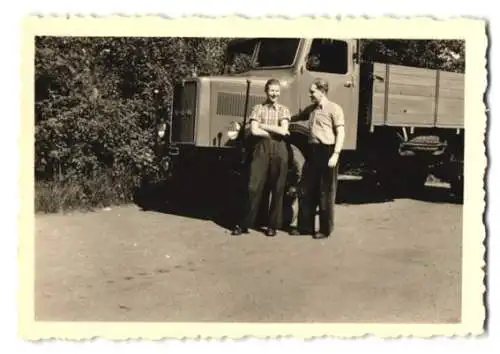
<point>238,231</point>
<point>270,232</point>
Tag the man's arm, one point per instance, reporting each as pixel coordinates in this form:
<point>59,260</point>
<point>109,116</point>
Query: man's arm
<point>256,130</point>
<point>338,124</point>
<point>339,140</point>
<point>304,115</point>
<point>282,129</point>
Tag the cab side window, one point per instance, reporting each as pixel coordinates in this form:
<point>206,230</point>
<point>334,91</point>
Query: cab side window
<point>328,56</point>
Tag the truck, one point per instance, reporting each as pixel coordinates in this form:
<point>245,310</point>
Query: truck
<point>403,123</point>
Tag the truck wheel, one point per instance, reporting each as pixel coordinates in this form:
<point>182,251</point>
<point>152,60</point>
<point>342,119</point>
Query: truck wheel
<point>234,189</point>
<point>403,178</point>
<point>456,179</point>
<point>292,189</point>
<point>414,181</point>
<point>457,188</point>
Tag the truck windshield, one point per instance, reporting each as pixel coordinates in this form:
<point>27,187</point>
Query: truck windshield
<point>239,56</point>
<point>275,52</point>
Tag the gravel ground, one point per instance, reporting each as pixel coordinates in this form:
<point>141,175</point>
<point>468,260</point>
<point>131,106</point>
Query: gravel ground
<point>388,261</point>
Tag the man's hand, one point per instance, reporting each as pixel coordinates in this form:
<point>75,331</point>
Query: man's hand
<point>334,159</point>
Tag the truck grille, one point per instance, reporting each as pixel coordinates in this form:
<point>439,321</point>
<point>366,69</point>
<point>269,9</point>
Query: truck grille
<point>184,113</point>
<point>233,104</point>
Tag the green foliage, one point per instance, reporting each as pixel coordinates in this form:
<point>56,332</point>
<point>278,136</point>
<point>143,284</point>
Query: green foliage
<point>446,55</point>
<point>86,193</point>
<point>97,105</point>
<point>98,101</point>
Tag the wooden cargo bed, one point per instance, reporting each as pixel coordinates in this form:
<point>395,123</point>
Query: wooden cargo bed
<point>416,97</point>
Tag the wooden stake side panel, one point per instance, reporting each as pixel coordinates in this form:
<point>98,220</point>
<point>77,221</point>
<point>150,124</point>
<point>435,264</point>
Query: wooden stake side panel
<point>417,97</point>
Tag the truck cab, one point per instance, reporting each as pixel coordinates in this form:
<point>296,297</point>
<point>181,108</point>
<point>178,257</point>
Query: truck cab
<point>204,107</point>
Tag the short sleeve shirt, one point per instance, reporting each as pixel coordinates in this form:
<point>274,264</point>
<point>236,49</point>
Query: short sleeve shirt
<point>271,114</point>
<point>323,119</point>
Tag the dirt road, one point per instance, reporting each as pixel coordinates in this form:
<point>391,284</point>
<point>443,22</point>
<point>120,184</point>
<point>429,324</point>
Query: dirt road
<point>395,261</point>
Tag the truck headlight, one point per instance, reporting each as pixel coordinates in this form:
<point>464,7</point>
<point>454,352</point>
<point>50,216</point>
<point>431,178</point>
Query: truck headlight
<point>162,128</point>
<point>165,163</point>
<point>233,130</point>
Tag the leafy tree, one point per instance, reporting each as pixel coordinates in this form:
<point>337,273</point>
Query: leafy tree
<point>446,55</point>
<point>97,99</point>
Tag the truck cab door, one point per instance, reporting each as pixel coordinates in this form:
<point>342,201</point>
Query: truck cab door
<point>334,61</point>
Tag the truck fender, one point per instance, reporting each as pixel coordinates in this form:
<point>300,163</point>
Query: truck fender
<point>299,128</point>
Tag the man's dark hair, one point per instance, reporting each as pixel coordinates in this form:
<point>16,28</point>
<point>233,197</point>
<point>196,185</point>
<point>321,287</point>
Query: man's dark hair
<point>321,85</point>
<point>272,81</point>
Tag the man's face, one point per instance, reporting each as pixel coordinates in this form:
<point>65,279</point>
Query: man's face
<point>314,94</point>
<point>273,93</point>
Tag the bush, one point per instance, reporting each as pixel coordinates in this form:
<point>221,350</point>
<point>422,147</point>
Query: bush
<point>101,190</point>
<point>98,102</point>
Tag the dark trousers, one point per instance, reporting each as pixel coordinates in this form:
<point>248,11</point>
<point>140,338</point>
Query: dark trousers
<point>268,166</point>
<point>319,189</point>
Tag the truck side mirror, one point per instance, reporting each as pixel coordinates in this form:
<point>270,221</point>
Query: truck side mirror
<point>355,57</point>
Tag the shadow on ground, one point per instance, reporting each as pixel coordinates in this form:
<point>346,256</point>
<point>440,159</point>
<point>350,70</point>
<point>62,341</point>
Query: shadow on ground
<point>158,198</point>
<point>352,192</point>
<point>221,211</point>
<point>435,194</point>
<point>356,191</point>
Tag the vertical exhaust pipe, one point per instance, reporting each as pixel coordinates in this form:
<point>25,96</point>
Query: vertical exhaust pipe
<point>242,137</point>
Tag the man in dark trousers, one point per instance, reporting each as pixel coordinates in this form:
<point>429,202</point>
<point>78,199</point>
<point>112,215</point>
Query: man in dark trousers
<point>269,161</point>
<point>326,139</point>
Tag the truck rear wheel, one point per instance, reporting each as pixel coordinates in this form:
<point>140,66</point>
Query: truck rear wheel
<point>403,177</point>
<point>457,187</point>
<point>457,176</point>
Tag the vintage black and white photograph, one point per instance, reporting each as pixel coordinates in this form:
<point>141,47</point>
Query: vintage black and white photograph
<point>237,179</point>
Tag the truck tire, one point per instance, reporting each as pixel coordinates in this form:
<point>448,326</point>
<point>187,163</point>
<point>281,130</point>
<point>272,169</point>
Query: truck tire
<point>296,161</point>
<point>293,188</point>
<point>403,177</point>
<point>413,179</point>
<point>457,188</point>
<point>457,176</point>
